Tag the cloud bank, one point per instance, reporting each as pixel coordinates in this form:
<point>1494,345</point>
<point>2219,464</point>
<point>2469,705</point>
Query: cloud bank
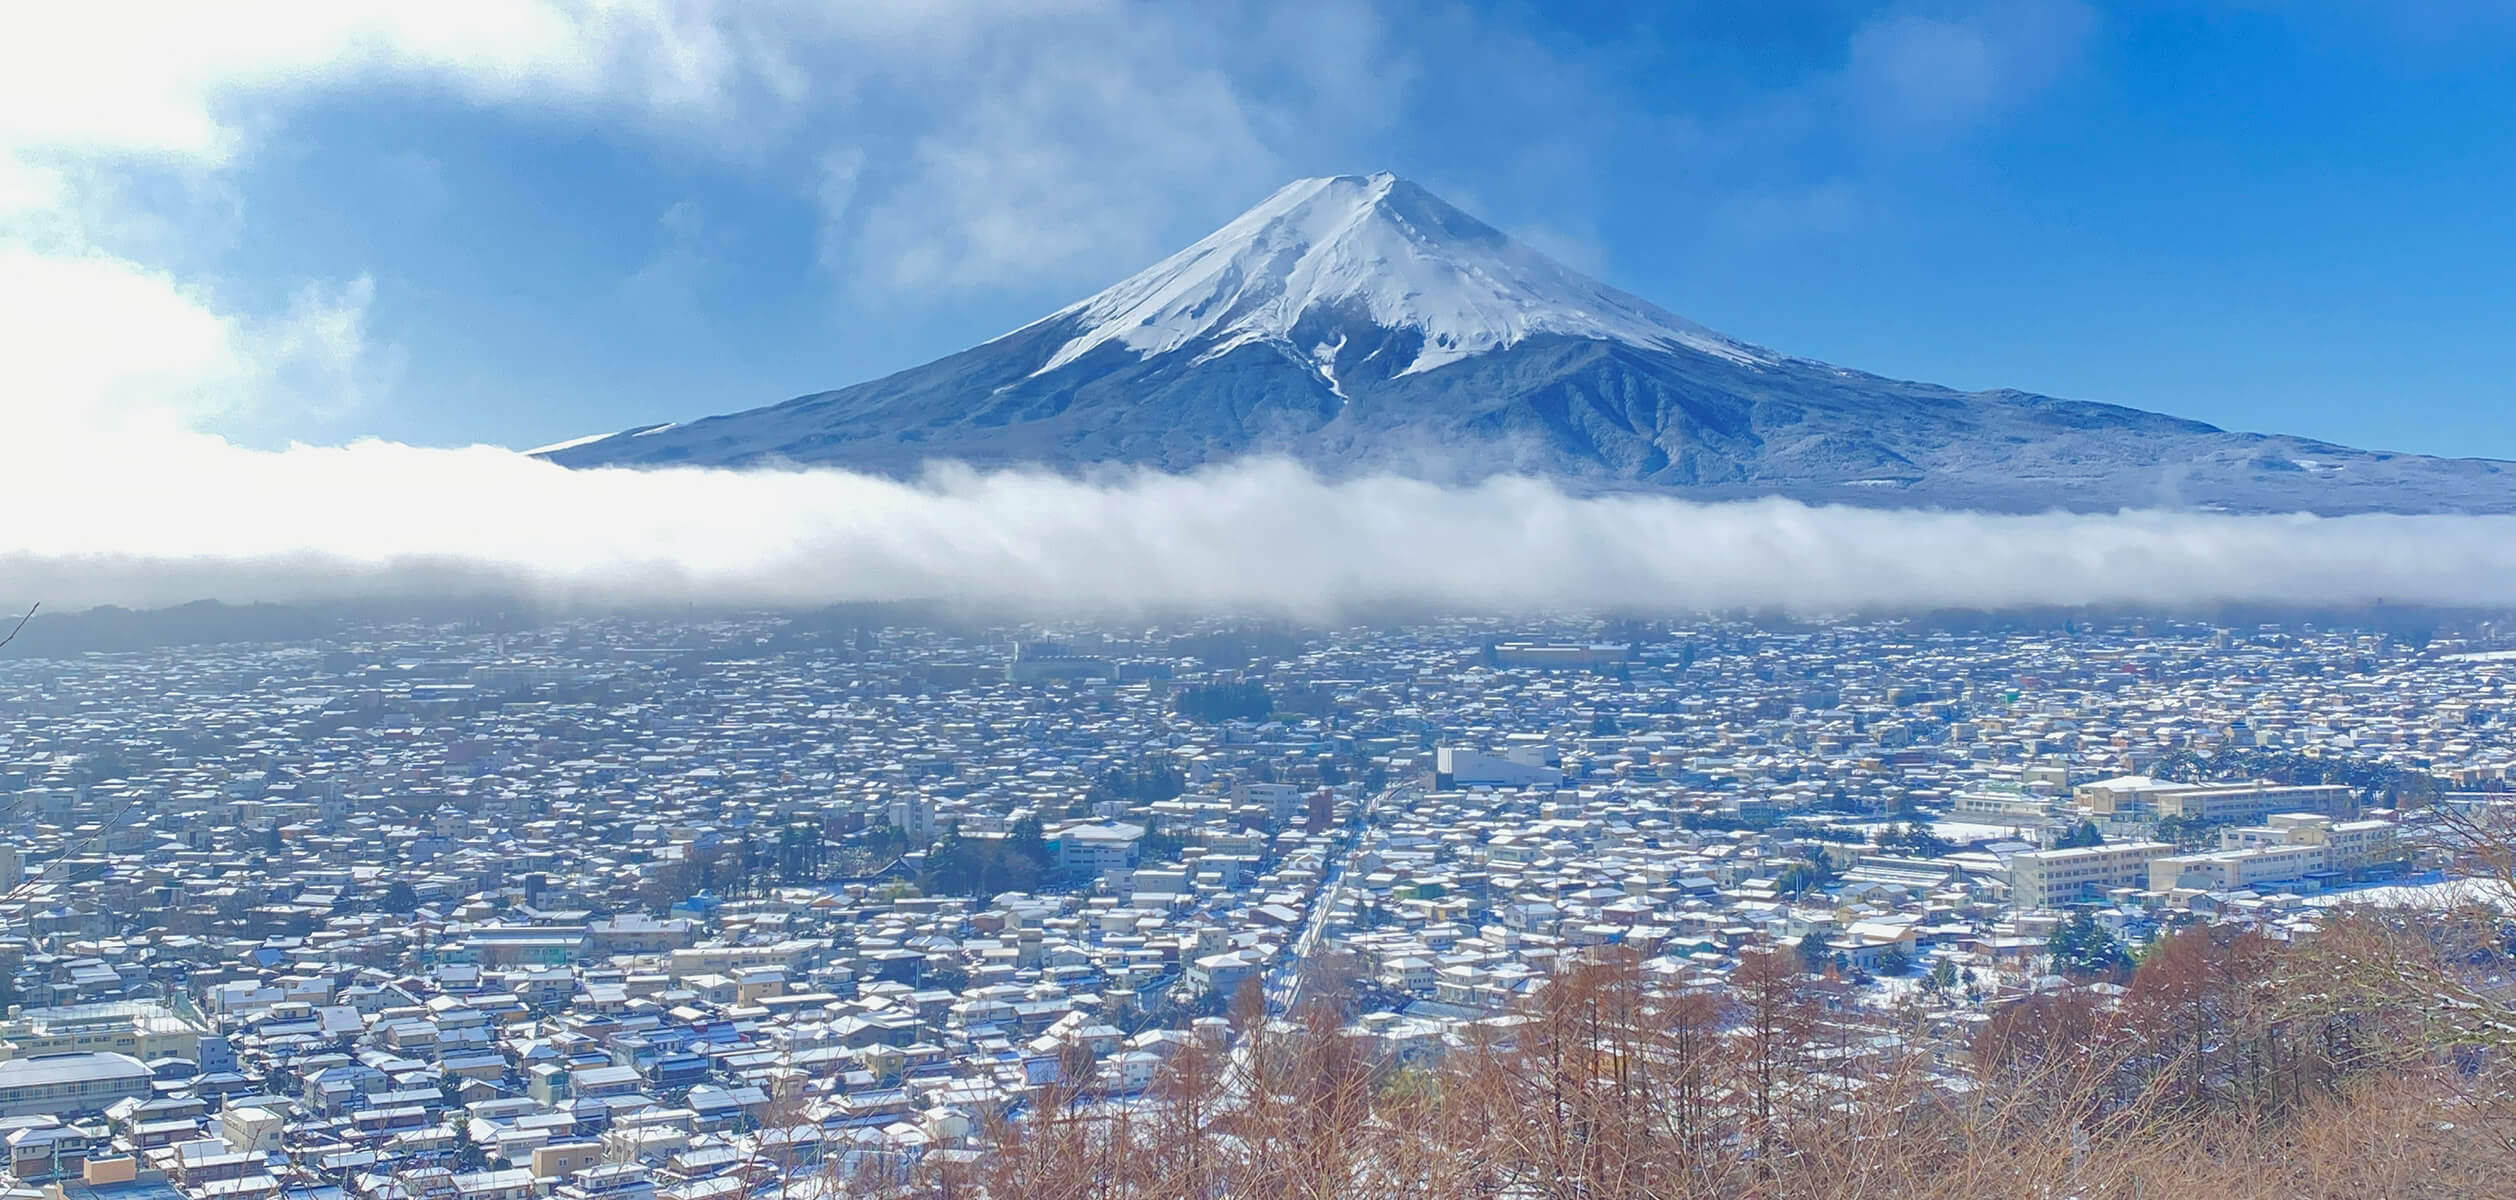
<point>190,518</point>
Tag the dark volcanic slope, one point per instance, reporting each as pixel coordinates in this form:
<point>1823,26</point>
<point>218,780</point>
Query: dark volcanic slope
<point>1360,324</point>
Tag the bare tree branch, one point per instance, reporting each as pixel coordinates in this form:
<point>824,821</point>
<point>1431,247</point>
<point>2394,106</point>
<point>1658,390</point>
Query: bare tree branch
<point>21,624</point>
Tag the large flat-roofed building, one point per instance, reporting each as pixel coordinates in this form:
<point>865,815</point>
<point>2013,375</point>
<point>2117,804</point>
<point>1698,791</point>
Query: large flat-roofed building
<point>62,1084</point>
<point>2052,878</point>
<point>1561,655</point>
<point>2348,845</point>
<point>1040,660</point>
<point>2231,870</point>
<point>1995,807</point>
<point>518,945</point>
<point>2123,794</point>
<point>2286,848</point>
<point>2139,796</point>
<point>1517,766</point>
<point>144,1029</point>
<point>1091,849</point>
<point>2253,802</point>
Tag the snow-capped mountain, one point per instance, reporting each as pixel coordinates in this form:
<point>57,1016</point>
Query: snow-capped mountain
<point>1361,324</point>
<point>1382,249</point>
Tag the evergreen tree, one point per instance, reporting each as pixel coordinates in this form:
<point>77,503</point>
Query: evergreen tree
<point>2083,948</point>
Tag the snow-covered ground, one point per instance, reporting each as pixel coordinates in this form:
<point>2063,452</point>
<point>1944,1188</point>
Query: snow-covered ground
<point>2447,893</point>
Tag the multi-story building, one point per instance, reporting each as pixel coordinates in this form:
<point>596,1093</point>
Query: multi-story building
<point>2251,802</point>
<point>2348,845</point>
<point>2139,796</point>
<point>2286,848</point>
<point>2232,870</point>
<point>913,813</point>
<point>2052,878</point>
<point>1999,807</point>
<point>65,1084</point>
<point>1517,766</point>
<point>1589,655</point>
<point>1091,849</point>
<point>143,1029</point>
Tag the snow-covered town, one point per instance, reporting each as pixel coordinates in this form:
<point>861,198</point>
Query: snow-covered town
<point>628,910</point>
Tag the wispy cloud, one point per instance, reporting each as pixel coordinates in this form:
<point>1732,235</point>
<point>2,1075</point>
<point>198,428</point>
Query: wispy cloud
<point>982,144</point>
<point>175,520</point>
<point>1924,73</point>
<point>105,329</point>
<point>1060,148</point>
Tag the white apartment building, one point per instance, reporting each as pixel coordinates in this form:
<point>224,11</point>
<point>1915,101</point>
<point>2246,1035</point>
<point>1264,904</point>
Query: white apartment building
<point>1281,800</point>
<point>1996,807</point>
<point>2143,797</point>
<point>913,814</point>
<point>2347,844</point>
<point>1518,766</point>
<point>2287,847</point>
<point>2052,878</point>
<point>1092,849</point>
<point>143,1029</point>
<point>2252,802</point>
<point>1221,974</point>
<point>2232,870</point>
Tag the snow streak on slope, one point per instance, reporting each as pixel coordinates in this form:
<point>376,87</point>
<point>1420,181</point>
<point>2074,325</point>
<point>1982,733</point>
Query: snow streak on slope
<point>1381,246</point>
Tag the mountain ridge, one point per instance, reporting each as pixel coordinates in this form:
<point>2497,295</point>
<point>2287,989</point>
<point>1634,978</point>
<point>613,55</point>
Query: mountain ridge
<point>1360,324</point>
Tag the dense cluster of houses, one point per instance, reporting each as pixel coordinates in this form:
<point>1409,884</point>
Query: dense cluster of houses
<point>644,911</point>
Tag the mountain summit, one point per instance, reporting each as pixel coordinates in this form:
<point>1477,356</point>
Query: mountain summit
<point>1360,324</point>
<point>1385,253</point>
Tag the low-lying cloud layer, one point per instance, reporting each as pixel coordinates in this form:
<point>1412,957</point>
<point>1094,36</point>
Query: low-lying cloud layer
<point>196,518</point>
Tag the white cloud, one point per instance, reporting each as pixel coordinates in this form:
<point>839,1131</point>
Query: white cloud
<point>1060,148</point>
<point>185,81</point>
<point>101,336</point>
<point>91,342</point>
<point>1918,72</point>
<point>1580,251</point>
<point>964,145</point>
<point>314,359</point>
<point>1002,141</point>
<point>27,187</point>
<point>166,521</point>
<point>836,177</point>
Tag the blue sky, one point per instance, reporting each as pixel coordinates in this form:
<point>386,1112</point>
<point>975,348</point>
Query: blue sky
<point>515,224</point>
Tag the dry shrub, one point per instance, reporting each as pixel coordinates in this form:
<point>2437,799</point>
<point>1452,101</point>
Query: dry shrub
<point>2233,1067</point>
